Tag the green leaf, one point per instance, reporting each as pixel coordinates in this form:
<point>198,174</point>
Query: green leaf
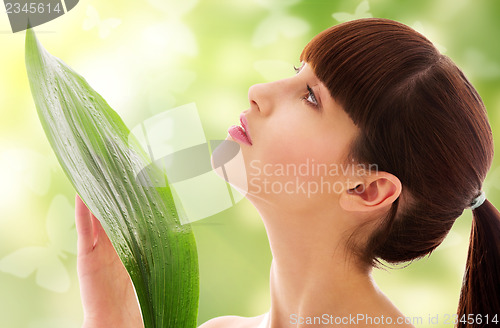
<point>106,165</point>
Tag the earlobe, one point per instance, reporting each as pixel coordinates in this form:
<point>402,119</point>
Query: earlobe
<point>375,192</point>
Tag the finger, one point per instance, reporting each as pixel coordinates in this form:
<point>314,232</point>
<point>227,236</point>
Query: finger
<point>100,236</point>
<point>84,226</point>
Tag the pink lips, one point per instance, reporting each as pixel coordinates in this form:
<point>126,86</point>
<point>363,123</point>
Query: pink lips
<point>240,133</point>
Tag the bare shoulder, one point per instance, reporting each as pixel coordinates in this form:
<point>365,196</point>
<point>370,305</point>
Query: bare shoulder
<point>232,321</point>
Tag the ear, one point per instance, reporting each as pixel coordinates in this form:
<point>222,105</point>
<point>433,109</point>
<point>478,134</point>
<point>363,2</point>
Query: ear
<point>374,192</point>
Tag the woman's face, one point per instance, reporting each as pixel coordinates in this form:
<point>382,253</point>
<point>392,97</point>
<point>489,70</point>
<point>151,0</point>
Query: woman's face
<point>295,143</point>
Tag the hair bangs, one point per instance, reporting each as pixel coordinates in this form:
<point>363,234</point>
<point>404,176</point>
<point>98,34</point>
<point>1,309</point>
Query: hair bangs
<point>360,61</point>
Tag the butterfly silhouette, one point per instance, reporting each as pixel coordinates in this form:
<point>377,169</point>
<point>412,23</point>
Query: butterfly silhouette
<point>362,11</point>
<point>278,23</point>
<point>104,25</point>
<point>270,29</point>
<point>46,260</point>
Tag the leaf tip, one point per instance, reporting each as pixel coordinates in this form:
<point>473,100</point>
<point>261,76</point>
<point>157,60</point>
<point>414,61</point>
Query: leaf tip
<point>30,34</point>
<point>34,51</point>
<point>30,38</point>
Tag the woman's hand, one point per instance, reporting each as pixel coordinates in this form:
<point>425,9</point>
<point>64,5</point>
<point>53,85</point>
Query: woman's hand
<point>108,296</point>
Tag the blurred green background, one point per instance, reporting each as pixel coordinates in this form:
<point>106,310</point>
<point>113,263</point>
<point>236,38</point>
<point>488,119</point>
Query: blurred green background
<point>145,57</point>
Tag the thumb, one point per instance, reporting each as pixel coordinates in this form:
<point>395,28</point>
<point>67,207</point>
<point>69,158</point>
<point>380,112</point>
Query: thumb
<point>84,227</point>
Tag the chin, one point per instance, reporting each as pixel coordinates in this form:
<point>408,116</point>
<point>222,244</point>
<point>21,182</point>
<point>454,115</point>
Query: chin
<point>228,163</point>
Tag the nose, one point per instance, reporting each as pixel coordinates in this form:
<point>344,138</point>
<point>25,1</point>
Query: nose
<point>260,97</point>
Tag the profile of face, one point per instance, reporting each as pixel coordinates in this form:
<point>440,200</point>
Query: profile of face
<point>417,116</point>
<point>293,143</point>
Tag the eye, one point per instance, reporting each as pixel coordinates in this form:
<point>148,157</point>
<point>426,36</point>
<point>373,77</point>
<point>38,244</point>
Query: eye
<point>311,98</point>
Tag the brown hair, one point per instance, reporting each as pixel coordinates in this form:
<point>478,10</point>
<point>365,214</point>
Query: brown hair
<point>421,120</point>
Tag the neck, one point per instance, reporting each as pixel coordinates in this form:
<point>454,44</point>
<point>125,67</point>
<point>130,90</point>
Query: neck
<point>311,274</point>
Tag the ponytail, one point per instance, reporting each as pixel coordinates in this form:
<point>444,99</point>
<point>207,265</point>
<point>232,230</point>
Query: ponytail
<point>479,304</point>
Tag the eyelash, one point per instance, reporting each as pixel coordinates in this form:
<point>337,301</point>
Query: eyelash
<point>311,98</point>
<point>310,94</point>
